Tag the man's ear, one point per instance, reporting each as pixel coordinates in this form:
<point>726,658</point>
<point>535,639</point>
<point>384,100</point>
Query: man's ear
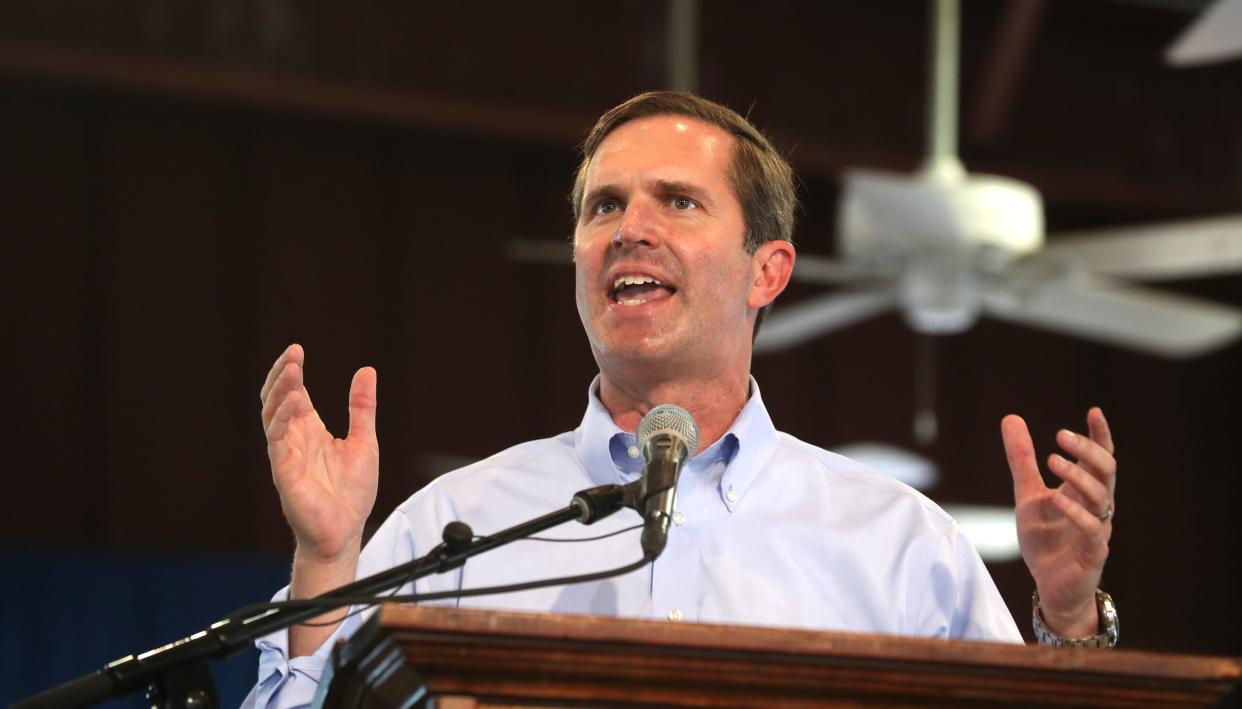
<point>772,265</point>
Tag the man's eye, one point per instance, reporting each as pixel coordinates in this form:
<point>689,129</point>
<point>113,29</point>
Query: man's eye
<point>683,203</point>
<point>607,206</point>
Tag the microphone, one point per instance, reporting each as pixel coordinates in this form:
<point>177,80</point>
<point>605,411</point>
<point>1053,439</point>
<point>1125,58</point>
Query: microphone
<point>668,437</point>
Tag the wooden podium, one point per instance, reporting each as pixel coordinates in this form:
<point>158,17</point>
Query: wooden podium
<point>408,656</point>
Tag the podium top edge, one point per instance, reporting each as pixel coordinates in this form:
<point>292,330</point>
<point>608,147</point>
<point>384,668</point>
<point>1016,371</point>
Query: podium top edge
<point>512,626</point>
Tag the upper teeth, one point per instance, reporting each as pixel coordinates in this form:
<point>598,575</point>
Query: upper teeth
<point>634,281</point>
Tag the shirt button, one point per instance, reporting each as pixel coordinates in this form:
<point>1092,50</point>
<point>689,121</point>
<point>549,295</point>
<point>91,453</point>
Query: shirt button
<point>633,451</point>
<point>674,615</point>
<point>679,519</point>
<point>731,496</point>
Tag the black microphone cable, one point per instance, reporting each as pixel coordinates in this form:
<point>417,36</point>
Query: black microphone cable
<point>366,602</point>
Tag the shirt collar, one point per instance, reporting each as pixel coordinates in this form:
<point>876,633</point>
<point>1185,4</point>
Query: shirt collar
<point>755,439</point>
<point>605,450</point>
<point>595,439</point>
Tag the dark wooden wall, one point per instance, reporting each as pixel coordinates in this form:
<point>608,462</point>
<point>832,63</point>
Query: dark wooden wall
<point>187,187</point>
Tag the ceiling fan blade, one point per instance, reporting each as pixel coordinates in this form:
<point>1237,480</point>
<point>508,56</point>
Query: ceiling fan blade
<point>1167,250</point>
<point>1214,36</point>
<point>1108,311</point>
<point>539,251</point>
<point>821,269</point>
<point>807,319</point>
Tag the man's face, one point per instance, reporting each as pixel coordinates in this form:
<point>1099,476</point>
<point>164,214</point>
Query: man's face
<point>662,278</point>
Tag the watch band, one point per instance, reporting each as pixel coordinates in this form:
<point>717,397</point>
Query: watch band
<point>1109,625</point>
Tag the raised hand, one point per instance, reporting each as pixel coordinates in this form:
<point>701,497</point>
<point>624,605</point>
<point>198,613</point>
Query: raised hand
<point>327,485</point>
<point>1064,531</point>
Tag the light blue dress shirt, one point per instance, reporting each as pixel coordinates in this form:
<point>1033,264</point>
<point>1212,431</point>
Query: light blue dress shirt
<point>768,530</point>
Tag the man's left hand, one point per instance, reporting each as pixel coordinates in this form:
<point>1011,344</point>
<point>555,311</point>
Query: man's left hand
<point>1064,531</point>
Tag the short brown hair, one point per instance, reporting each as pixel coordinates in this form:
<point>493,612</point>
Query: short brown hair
<point>761,179</point>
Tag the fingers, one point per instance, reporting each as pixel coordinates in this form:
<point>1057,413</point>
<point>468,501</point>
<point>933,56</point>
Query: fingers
<point>284,376</point>
<point>1097,426</point>
<point>1091,456</point>
<point>1091,493</point>
<point>291,407</point>
<point>289,380</point>
<point>1087,523</point>
<point>362,404</point>
<point>1020,452</point>
<point>293,353</point>
<point>1092,478</point>
<point>284,397</point>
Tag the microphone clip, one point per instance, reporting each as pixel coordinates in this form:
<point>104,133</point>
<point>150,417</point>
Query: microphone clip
<point>596,503</point>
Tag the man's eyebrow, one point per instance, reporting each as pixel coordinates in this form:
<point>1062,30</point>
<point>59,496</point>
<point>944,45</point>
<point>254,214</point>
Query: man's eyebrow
<point>660,186</point>
<point>599,193</point>
<point>685,189</point>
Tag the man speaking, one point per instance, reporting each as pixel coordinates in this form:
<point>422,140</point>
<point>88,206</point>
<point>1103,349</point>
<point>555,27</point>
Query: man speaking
<point>683,214</point>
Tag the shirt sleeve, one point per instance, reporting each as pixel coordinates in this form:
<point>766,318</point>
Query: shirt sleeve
<point>961,601</point>
<point>285,682</point>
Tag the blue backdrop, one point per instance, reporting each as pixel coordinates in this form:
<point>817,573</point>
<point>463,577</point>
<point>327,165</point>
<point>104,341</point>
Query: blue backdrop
<point>67,613</point>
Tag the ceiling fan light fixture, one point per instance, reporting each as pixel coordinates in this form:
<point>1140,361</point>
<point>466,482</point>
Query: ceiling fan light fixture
<point>940,297</point>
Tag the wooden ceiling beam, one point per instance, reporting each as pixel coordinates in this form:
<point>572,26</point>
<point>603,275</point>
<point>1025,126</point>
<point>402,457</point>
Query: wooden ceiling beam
<point>251,88</point>
<point>1096,186</point>
<point>1004,64</point>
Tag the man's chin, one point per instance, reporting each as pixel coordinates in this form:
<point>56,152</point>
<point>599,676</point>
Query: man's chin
<point>646,352</point>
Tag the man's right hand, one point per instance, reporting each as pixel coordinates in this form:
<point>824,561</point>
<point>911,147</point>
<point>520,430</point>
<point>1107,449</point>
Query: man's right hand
<point>327,485</point>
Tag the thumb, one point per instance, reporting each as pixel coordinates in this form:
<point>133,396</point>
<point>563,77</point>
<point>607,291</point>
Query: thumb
<point>362,404</point>
<point>1020,451</point>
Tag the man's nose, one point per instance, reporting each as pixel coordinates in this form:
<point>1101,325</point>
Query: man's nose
<point>639,226</point>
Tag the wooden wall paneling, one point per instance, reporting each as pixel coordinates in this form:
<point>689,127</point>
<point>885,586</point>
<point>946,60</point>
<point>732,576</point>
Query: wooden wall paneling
<point>843,69</point>
<point>996,369</point>
<point>48,249</point>
<point>559,53</point>
<point>169,281</point>
<point>1118,120</point>
<point>457,322</point>
<point>557,354</point>
<point>590,52</point>
<point>1210,475</point>
<point>1179,550</point>
<point>323,219</point>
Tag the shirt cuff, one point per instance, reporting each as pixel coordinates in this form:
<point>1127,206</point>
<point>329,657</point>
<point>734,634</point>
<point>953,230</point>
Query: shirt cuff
<point>284,682</point>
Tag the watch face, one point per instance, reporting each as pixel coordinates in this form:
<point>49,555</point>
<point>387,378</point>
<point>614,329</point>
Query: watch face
<point>1106,638</point>
<point>1108,617</point>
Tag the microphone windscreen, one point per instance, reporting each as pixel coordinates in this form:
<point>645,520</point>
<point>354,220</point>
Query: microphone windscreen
<point>667,418</point>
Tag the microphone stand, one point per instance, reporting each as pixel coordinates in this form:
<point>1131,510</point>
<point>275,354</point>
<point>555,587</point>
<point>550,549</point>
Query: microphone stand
<point>176,674</point>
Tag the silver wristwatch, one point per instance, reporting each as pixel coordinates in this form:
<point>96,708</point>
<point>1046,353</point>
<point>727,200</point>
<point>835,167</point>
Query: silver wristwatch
<point>1109,627</point>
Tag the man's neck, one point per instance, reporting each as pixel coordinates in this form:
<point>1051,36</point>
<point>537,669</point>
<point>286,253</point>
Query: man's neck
<point>713,402</point>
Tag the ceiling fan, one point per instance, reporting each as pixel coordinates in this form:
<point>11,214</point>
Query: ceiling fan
<point>945,247</point>
<point>950,246</point>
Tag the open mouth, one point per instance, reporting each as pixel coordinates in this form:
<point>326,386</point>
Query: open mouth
<point>637,289</point>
